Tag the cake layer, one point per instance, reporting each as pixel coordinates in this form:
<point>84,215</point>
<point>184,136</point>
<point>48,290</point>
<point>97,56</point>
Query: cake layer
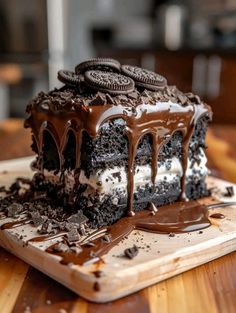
<point>104,181</point>
<point>98,153</point>
<point>108,188</point>
<point>111,147</point>
<point>114,206</point>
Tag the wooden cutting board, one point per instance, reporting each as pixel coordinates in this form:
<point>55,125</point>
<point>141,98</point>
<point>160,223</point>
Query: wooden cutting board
<point>160,258</point>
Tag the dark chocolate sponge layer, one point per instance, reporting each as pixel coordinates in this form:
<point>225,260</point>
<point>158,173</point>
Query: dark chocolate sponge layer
<point>108,212</point>
<point>111,148</point>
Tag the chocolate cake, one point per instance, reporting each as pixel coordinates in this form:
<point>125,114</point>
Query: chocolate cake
<point>117,138</point>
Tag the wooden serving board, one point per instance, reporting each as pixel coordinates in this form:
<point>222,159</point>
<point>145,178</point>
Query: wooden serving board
<point>160,257</point>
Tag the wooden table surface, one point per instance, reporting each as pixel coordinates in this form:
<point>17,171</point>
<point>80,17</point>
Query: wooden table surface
<point>209,288</point>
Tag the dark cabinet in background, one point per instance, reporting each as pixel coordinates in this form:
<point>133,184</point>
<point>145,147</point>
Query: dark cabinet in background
<point>209,74</point>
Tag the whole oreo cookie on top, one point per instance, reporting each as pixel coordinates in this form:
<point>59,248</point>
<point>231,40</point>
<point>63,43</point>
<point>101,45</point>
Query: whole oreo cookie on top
<point>112,83</point>
<point>144,78</point>
<point>68,77</point>
<point>102,64</point>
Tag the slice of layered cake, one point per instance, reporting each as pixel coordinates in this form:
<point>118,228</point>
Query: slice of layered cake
<point>118,138</point>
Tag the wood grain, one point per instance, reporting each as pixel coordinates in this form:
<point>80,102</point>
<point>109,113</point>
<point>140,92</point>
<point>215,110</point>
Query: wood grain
<point>207,288</point>
<point>39,286</point>
<point>165,258</point>
<point>13,272</point>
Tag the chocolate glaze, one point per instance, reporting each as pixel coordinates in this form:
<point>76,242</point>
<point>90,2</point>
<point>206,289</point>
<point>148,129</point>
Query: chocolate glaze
<point>179,217</point>
<point>160,119</point>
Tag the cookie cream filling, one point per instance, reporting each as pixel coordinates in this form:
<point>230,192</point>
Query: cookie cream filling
<point>105,181</point>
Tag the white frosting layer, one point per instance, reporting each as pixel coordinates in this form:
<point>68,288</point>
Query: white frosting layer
<point>104,181</point>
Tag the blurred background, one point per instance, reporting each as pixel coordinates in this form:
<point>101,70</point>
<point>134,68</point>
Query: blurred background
<point>191,42</point>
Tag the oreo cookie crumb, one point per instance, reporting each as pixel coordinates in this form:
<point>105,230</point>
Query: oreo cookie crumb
<point>45,228</point>
<point>132,252</point>
<point>61,247</point>
<point>73,235</point>
<point>14,209</point>
<point>79,218</point>
<point>229,191</point>
<point>98,100</point>
<point>37,218</point>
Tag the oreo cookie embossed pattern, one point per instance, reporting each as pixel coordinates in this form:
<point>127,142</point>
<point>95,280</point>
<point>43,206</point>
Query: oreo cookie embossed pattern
<point>118,138</point>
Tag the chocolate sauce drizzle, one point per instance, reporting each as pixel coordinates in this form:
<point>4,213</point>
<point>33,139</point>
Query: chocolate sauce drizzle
<point>161,120</point>
<point>179,217</point>
<point>15,224</point>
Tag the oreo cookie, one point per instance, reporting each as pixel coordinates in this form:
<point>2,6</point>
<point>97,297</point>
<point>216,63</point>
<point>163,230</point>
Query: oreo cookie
<point>144,78</point>
<point>112,83</point>
<point>101,64</point>
<point>68,77</point>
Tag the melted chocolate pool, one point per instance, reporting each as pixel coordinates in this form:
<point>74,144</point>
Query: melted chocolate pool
<point>179,217</point>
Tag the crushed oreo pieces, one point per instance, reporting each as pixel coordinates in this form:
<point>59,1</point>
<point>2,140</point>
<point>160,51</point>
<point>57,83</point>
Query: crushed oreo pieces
<point>78,218</point>
<point>229,191</point>
<point>45,205</point>
<point>73,235</point>
<point>37,218</point>
<point>132,252</point>
<point>46,228</point>
<point>14,209</point>
<point>61,247</point>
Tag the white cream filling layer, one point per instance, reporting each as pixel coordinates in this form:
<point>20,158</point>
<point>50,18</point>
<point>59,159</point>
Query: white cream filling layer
<point>105,181</point>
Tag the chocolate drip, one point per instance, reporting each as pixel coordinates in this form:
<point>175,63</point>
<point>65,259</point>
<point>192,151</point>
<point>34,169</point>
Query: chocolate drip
<point>175,218</point>
<point>155,150</point>
<point>186,143</point>
<point>161,120</point>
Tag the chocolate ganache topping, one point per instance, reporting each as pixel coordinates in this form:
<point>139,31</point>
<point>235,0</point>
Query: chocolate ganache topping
<point>87,101</point>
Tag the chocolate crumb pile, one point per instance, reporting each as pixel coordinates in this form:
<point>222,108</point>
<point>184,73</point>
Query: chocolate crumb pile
<point>45,205</point>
